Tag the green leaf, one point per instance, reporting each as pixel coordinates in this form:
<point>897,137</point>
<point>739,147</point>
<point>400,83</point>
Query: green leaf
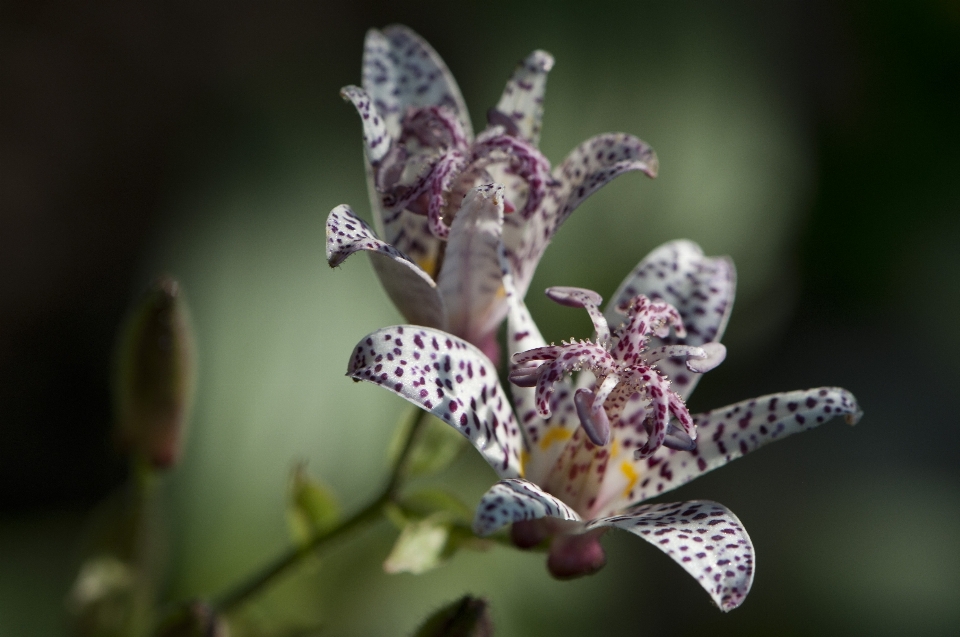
<point>313,509</point>
<point>436,446</point>
<point>466,617</point>
<point>428,502</point>
<point>421,547</point>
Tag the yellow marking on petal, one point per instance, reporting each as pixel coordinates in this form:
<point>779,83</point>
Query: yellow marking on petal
<point>631,475</point>
<point>615,449</point>
<point>524,459</point>
<point>501,292</point>
<point>428,264</point>
<point>557,434</point>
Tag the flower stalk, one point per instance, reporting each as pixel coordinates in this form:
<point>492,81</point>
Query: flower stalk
<point>233,599</point>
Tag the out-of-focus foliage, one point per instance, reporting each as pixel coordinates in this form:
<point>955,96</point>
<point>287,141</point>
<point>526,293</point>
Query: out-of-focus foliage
<point>814,142</point>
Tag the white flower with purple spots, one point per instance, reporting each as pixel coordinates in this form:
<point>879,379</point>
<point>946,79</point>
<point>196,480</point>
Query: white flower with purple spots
<point>557,484</point>
<point>423,160</point>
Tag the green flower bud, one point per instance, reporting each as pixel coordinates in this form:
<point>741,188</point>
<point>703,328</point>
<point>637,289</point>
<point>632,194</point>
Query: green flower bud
<point>466,617</point>
<point>195,620</point>
<point>155,376</point>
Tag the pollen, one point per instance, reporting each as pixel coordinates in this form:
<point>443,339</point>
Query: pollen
<point>428,264</point>
<point>631,475</point>
<point>524,459</point>
<point>555,434</point>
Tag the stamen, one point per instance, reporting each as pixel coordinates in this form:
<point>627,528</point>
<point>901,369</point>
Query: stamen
<point>587,299</point>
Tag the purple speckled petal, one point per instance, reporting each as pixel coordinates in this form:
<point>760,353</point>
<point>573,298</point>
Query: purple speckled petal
<point>511,501</point>
<point>730,432</point>
<point>701,288</point>
<point>411,289</point>
<point>471,278</point>
<point>598,161</point>
<point>376,139</point>
<point>545,438</point>
<point>519,158</point>
<point>401,70</point>
<point>451,379</point>
<point>705,538</point>
<point>587,168</point>
<point>522,101</point>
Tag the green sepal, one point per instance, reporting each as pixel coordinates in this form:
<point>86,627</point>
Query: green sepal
<point>313,508</point>
<point>421,546</point>
<point>427,502</point>
<point>467,617</point>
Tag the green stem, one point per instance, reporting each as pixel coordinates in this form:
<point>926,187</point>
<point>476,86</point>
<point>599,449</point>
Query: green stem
<point>370,513</point>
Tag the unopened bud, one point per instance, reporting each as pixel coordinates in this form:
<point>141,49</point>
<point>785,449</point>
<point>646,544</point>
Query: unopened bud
<point>196,620</point>
<point>575,555</point>
<point>155,375</point>
<point>466,617</point>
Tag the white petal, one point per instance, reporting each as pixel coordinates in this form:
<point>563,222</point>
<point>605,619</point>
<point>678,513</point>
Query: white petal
<point>401,70</point>
<point>586,169</point>
<point>471,280</point>
<point>510,501</point>
<point>705,538</point>
<point>545,438</point>
<point>701,288</point>
<point>451,379</point>
<point>376,139</point>
<point>522,99</point>
<point>726,434</point>
<point>411,289</point>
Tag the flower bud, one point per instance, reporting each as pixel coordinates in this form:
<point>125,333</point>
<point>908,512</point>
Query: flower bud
<point>155,376</point>
<point>466,617</point>
<point>196,620</point>
<point>575,555</point>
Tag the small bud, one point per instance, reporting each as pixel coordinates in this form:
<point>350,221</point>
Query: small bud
<point>196,620</point>
<point>466,617</point>
<point>313,508</point>
<point>576,555</point>
<point>155,376</point>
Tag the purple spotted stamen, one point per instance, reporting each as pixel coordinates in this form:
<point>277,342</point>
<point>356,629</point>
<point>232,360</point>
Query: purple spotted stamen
<point>624,368</point>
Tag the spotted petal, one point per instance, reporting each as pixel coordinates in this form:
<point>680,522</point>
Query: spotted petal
<point>376,139</point>
<point>588,167</point>
<point>510,501</point>
<point>701,288</point>
<point>471,278</point>
<point>705,538</point>
<point>520,108</point>
<point>730,432</point>
<point>411,289</point>
<point>598,161</point>
<point>451,379</point>
<point>545,438</point>
<point>401,70</point>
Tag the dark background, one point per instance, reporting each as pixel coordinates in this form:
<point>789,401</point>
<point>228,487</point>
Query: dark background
<point>110,111</point>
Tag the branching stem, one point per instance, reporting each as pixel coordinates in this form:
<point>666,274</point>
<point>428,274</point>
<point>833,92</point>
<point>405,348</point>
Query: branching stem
<point>234,598</point>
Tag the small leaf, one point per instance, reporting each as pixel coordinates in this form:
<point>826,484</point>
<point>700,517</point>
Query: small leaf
<point>436,446</point>
<point>467,617</point>
<point>421,547</point>
<point>101,600</point>
<point>430,502</point>
<point>313,509</point>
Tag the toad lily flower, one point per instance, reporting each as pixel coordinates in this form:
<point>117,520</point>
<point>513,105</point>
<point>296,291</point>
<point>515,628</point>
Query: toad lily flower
<point>556,482</point>
<point>423,160</point>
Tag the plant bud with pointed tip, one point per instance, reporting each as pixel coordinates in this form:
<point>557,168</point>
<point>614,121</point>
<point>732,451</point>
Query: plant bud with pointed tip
<point>467,617</point>
<point>155,375</point>
<point>195,620</point>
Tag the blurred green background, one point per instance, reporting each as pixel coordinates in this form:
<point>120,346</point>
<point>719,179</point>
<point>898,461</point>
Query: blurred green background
<point>816,142</point>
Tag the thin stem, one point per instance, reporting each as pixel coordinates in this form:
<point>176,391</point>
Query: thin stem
<point>234,598</point>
